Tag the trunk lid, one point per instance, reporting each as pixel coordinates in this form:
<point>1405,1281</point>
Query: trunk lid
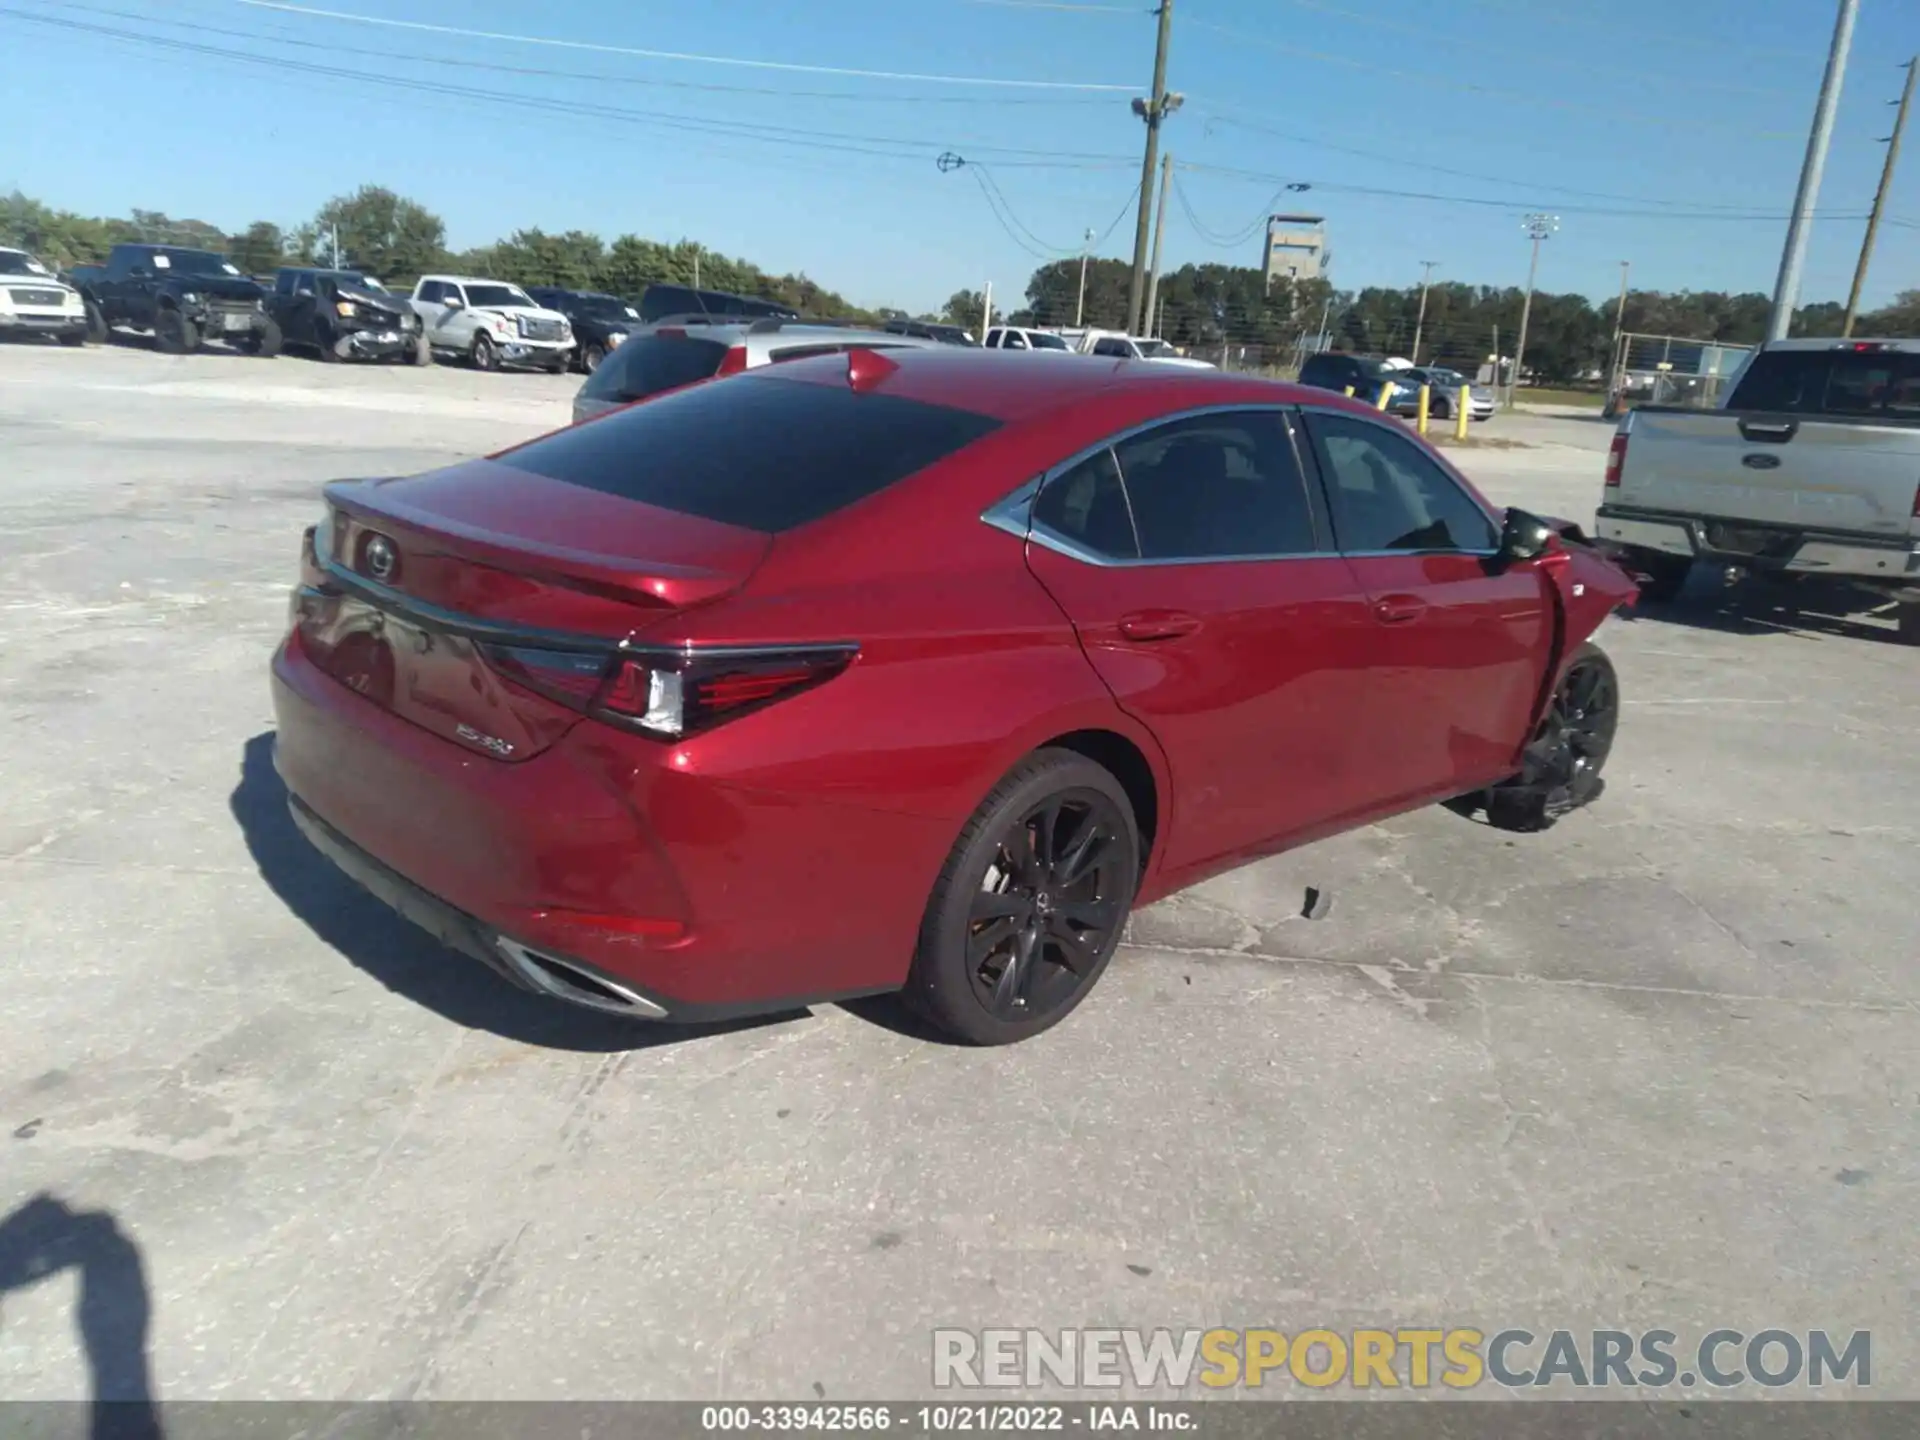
<point>473,601</point>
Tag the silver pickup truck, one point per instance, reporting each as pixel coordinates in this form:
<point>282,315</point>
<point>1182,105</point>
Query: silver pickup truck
<point>1810,467</point>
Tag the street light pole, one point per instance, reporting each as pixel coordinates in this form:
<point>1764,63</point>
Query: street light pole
<point>1786,289</point>
<point>1539,227</point>
<point>1420,325</point>
<point>1880,198</point>
<point>1086,253</point>
<point>1619,329</point>
<point>1153,110</point>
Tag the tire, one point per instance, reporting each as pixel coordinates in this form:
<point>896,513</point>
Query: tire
<point>1561,767</point>
<point>73,339</point>
<point>1439,410</point>
<point>1666,574</point>
<point>1046,953</point>
<point>98,331</point>
<point>558,367</point>
<point>174,334</point>
<point>485,357</point>
<point>591,357</point>
<point>421,353</point>
<point>323,342</point>
<point>1909,617</point>
<point>267,338</point>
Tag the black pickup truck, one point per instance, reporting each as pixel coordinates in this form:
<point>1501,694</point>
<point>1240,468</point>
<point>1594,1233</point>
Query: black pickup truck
<point>183,296</point>
<point>345,315</point>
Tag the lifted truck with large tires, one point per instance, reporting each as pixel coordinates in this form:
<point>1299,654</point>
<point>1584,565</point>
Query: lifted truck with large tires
<point>1810,468</point>
<point>184,297</point>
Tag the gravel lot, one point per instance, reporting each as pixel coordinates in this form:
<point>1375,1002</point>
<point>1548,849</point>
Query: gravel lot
<point>1658,1067</point>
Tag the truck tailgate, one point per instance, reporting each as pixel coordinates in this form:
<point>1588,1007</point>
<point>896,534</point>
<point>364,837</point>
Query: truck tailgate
<point>1808,473</point>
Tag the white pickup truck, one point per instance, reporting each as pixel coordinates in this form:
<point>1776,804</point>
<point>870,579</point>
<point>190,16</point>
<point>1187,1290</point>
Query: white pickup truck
<point>1811,466</point>
<point>490,323</point>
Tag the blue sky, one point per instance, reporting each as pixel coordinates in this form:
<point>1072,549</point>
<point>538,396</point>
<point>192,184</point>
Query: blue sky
<point>1685,118</point>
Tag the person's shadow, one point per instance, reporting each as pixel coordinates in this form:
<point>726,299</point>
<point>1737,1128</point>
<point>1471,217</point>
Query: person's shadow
<point>402,957</point>
<point>45,1237</point>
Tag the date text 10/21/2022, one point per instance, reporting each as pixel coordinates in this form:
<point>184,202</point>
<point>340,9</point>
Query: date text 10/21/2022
<point>947,1418</point>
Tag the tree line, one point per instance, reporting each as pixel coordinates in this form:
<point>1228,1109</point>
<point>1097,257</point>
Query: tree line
<point>1211,309</point>
<point>397,240</point>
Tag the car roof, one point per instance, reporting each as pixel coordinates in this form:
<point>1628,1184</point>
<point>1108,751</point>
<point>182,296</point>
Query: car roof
<point>1010,386</point>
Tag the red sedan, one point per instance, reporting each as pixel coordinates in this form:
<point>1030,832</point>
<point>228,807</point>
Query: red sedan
<point>914,671</point>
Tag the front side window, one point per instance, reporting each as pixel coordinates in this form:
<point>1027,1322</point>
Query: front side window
<point>1387,496</point>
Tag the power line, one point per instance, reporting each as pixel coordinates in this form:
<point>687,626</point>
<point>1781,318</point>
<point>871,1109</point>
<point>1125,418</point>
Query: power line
<point>743,130</point>
<point>1444,82</point>
<point>590,77</point>
<point>1477,39</point>
<point>1063,5</point>
<point>686,57</point>
<point>1338,188</point>
<point>1532,11</point>
<point>1017,231</point>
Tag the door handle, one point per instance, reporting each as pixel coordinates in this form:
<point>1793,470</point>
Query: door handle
<point>1399,609</point>
<point>1158,624</point>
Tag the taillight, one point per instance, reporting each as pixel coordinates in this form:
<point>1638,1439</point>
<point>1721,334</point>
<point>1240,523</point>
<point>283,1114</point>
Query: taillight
<point>1916,502</point>
<point>671,693</point>
<point>734,361</point>
<point>682,694</point>
<point>1616,457</point>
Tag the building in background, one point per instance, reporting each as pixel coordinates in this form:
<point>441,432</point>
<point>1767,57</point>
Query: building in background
<point>1296,248</point>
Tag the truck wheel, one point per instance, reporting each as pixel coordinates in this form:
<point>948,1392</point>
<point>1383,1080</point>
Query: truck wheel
<point>421,353</point>
<point>558,367</point>
<point>97,329</point>
<point>267,338</point>
<point>1666,574</point>
<point>1910,622</point>
<point>591,357</point>
<point>175,334</point>
<point>323,343</point>
<point>484,357</point>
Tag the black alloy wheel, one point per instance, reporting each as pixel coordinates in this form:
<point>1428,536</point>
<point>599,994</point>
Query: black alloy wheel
<point>591,357</point>
<point>174,334</point>
<point>1031,904</point>
<point>1560,768</point>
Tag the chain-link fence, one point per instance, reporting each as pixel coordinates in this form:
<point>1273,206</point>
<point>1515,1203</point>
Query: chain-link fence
<point>1672,370</point>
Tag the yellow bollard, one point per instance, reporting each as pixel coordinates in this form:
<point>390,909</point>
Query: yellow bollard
<point>1426,401</point>
<point>1462,412</point>
<point>1349,392</point>
<point>1386,393</point>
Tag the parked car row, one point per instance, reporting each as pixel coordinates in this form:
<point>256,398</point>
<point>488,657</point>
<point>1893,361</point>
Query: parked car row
<point>1363,376</point>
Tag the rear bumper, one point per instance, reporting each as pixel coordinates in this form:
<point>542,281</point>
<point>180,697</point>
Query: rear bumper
<point>694,899</point>
<point>1891,563</point>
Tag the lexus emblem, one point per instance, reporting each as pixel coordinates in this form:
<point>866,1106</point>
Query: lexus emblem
<point>381,558</point>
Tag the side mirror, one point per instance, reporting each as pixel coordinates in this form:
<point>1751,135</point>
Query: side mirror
<point>455,304</point>
<point>1524,536</point>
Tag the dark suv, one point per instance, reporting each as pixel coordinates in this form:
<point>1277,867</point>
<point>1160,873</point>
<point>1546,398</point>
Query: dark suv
<point>662,302</point>
<point>1361,376</point>
<point>600,322</point>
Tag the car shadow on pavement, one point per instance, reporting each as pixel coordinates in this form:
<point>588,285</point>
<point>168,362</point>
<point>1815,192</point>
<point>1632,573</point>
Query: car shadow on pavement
<point>46,1237</point>
<point>1760,606</point>
<point>404,958</point>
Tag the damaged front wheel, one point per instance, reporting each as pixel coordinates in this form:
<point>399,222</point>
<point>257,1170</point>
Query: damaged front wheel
<point>1560,768</point>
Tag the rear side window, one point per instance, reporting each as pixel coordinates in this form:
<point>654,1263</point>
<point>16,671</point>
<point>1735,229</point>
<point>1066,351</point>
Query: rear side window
<point>761,453</point>
<point>649,364</point>
<point>660,301</point>
<point>1823,382</point>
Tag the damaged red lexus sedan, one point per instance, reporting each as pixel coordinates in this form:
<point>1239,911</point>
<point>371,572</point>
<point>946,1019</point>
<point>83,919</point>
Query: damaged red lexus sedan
<point>916,672</point>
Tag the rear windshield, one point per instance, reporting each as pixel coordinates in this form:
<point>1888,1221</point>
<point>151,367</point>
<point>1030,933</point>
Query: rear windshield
<point>1827,382</point>
<point>648,364</point>
<point>764,454</point>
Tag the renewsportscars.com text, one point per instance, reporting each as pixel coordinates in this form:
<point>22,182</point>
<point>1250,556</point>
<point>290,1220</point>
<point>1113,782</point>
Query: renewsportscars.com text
<point>1459,1358</point>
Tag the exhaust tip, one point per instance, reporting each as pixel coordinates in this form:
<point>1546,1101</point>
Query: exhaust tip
<point>569,982</point>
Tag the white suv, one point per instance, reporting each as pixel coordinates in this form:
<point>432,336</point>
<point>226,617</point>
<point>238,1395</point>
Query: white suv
<point>491,323</point>
<point>1013,337</point>
<point>34,302</point>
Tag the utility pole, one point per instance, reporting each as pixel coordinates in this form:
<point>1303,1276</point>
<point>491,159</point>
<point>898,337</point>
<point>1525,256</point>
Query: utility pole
<point>986,311</point>
<point>696,265</point>
<point>1159,238</point>
<point>1880,197</point>
<point>1426,274</point>
<point>333,235</point>
<point>1320,340</point>
<point>1786,289</point>
<point>1086,253</point>
<point>1153,110</point>
<point>1539,227</point>
<point>1619,329</point>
